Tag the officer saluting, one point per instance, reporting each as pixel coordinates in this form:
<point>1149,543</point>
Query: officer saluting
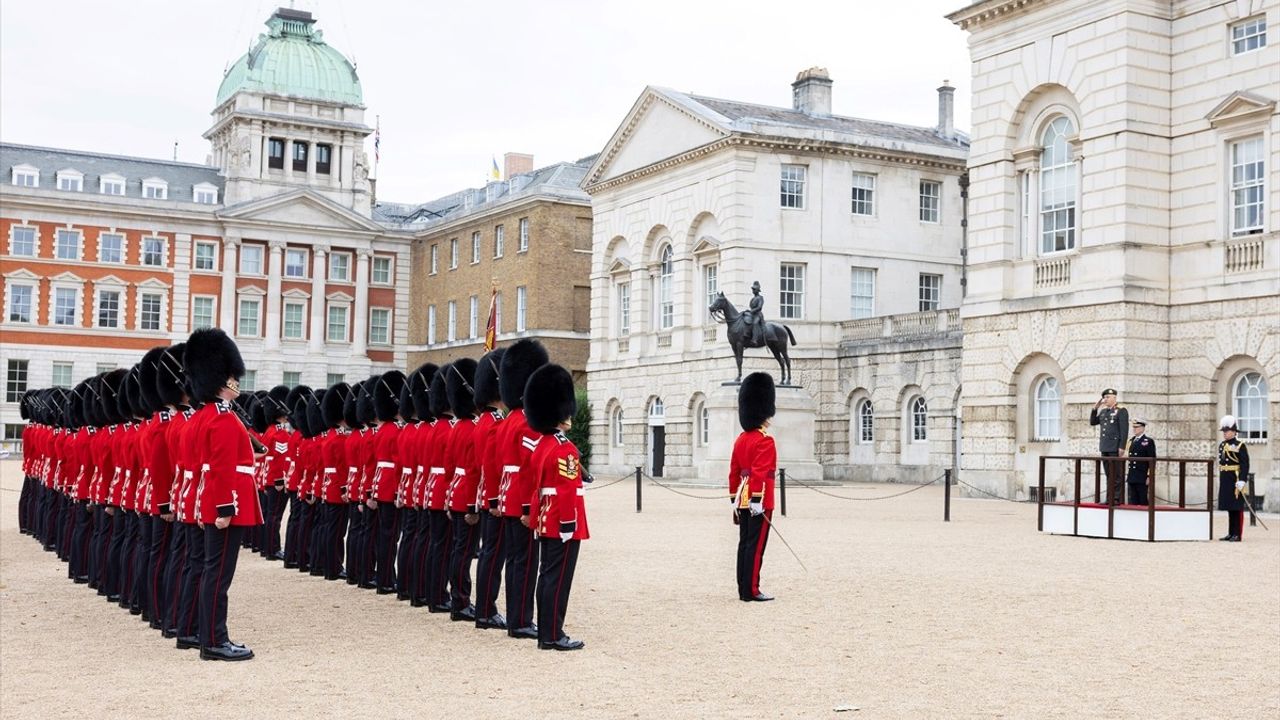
<point>1114,422</point>
<point>751,475</point>
<point>1233,468</point>
<point>1140,445</point>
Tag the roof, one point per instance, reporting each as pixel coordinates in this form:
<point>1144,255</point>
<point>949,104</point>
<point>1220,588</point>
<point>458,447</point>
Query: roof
<point>49,161</point>
<point>293,60</point>
<point>559,180</point>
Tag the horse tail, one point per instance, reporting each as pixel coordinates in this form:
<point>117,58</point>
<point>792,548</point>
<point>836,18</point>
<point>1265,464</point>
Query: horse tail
<point>793,337</point>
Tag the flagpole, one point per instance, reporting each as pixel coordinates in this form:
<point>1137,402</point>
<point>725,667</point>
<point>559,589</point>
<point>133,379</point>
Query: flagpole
<point>377,141</point>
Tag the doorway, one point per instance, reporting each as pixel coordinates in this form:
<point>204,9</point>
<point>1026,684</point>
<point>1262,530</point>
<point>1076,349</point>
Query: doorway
<point>657,437</point>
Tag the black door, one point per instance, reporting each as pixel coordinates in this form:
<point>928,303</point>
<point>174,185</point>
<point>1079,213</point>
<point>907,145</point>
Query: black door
<point>659,448</point>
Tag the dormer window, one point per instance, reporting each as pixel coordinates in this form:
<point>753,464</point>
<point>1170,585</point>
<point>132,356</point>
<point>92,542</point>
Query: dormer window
<point>71,180</point>
<point>155,189</point>
<point>26,176</point>
<point>111,184</point>
<point>205,193</point>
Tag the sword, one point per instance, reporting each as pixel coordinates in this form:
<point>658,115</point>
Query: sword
<point>778,532</point>
<point>1253,513</point>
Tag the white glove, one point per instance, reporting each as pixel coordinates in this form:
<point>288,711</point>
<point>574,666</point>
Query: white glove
<point>566,536</point>
<point>1240,485</point>
<point>757,508</point>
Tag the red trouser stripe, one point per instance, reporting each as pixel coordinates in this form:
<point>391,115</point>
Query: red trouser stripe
<point>213,609</point>
<point>759,554</point>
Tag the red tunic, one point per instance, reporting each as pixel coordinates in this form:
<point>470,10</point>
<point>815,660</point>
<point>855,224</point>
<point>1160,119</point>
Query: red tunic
<point>752,469</point>
<point>461,496</point>
<point>486,459</point>
<point>441,468</point>
<point>516,443</point>
<point>279,442</point>
<point>556,473</point>
<point>159,465</point>
<point>187,509</point>
<point>421,462</point>
<point>222,447</point>
<point>103,466</point>
<point>335,467</point>
<point>408,440</point>
<point>386,452</point>
<point>369,460</point>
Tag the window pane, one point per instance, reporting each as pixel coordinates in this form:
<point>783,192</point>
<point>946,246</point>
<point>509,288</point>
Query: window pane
<point>499,240</point>
<point>522,308</point>
<point>792,187</point>
<point>206,256</point>
<point>866,422</point>
<point>919,419</point>
<point>110,248</point>
<point>474,323</point>
<point>930,291</point>
<point>710,286</point>
<point>475,247</point>
<point>249,382</point>
<point>201,312</point>
<point>1248,172</point>
<point>20,305</point>
<point>930,197</point>
<point>64,306</point>
<point>1251,406</point>
<point>666,304</point>
<point>337,327</point>
<point>63,374</point>
<point>1048,421</point>
<point>863,194</point>
<point>431,324</point>
<point>251,259</point>
<point>15,380</point>
<point>248,324</point>
<point>863,293</point>
<point>153,251</point>
<point>791,291</point>
<point>1057,188</point>
<point>624,308</point>
<point>340,267</point>
<point>22,241</point>
<point>379,326</point>
<point>295,263</point>
<point>453,322</point>
<point>108,308</point>
<point>292,328</point>
<point>292,378</point>
<point>151,305</point>
<point>524,234</point>
<point>382,270</point>
<point>68,245</point>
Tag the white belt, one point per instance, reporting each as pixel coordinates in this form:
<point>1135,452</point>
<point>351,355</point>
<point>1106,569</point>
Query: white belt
<point>331,470</point>
<point>187,474</point>
<point>460,472</point>
<point>552,491</point>
<point>246,469</point>
<point>510,468</point>
<point>386,464</point>
<point>437,471</point>
<point>406,471</point>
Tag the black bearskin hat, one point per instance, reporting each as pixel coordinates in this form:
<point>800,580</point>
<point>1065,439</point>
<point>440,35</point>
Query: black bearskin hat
<point>56,401</point>
<point>75,407</point>
<point>211,359</point>
<point>349,407</point>
<point>439,398</point>
<point>419,383</point>
<point>458,385</point>
<point>315,413</point>
<point>170,384</point>
<point>364,401</point>
<point>148,371</point>
<point>549,399</point>
<point>407,409</point>
<point>93,402</point>
<point>24,405</point>
<point>130,401</point>
<point>258,413</point>
<point>109,391</point>
<point>486,382</point>
<point>518,363</point>
<point>335,399</point>
<point>756,400</point>
<point>298,416</point>
<point>273,405</point>
<point>386,395</point>
<point>297,393</point>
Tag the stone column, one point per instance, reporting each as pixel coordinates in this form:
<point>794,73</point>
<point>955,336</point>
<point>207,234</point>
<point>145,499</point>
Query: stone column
<point>255,151</point>
<point>318,253</point>
<point>180,307</point>
<point>288,159</point>
<point>230,262</point>
<point>360,313</point>
<point>311,162</point>
<point>275,268</point>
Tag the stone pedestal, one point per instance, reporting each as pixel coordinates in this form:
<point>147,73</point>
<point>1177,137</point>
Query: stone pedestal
<point>792,429</point>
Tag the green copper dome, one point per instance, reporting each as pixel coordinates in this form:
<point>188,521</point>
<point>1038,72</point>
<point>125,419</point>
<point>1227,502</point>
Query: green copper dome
<point>292,59</point>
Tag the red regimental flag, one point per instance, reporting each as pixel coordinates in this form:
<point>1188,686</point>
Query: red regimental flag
<point>491,327</point>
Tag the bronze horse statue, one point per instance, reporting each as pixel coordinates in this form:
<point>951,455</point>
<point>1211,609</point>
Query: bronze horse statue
<point>775,336</point>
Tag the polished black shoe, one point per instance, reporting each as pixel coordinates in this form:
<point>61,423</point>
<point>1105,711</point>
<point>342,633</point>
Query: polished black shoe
<point>153,624</point>
<point>417,602</point>
<point>226,651</point>
<point>290,565</point>
<point>1234,538</point>
<point>438,608</point>
<point>497,622</point>
<point>402,597</point>
<point>277,556</point>
<point>135,610</point>
<point>317,572</point>
<point>564,643</point>
<point>304,568</point>
<point>81,580</point>
<point>761,597</point>
<point>467,614</point>
<point>386,590</point>
<point>368,585</point>
<point>168,633</point>
<point>188,642</point>
<point>114,598</point>
<point>1225,538</point>
<point>530,632</point>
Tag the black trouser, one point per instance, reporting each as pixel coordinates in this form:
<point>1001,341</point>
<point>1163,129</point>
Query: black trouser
<point>1114,470</point>
<point>175,570</point>
<point>489,565</point>
<point>306,528</point>
<point>50,519</point>
<point>388,534</point>
<point>555,580</point>
<point>221,550</point>
<point>274,516</point>
<point>80,539</point>
<point>1138,492</point>
<point>24,504</point>
<point>66,529</point>
<point>438,557</point>
<point>99,541</point>
<point>157,561</point>
<point>188,608</point>
<point>335,530</point>
<point>114,568</point>
<point>406,563</point>
<point>369,547</point>
<point>292,529</point>
<point>465,538</point>
<point>1235,523</point>
<point>522,563</point>
<point>127,565</point>
<point>418,553</point>
<point>319,534</point>
<point>141,552</point>
<point>753,536</point>
<point>355,526</point>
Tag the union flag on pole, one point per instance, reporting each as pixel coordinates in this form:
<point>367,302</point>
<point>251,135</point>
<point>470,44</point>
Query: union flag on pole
<point>491,327</point>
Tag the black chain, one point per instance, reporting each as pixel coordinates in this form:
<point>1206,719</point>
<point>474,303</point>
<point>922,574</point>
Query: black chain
<point>593,486</point>
<point>884,497</point>
<point>988,494</point>
<point>664,486</point>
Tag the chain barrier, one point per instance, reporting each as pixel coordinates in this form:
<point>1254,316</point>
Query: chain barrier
<point>884,497</point>
<point>993,495</point>
<point>615,481</point>
<point>664,486</point>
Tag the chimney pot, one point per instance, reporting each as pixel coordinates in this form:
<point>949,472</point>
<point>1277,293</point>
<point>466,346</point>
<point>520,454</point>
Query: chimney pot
<point>947,110</point>
<point>811,92</point>
<point>514,164</point>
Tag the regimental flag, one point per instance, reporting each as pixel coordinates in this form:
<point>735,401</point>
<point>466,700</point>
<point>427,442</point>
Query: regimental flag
<point>377,141</point>
<point>491,327</point>
<point>495,174</point>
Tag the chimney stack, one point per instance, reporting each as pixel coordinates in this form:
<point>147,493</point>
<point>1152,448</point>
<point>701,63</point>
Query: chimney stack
<point>514,164</point>
<point>947,110</point>
<point>811,92</point>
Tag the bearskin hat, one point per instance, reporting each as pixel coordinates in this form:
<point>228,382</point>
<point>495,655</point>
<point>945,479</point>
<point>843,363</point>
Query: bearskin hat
<point>335,399</point>
<point>73,411</point>
<point>486,382</point>
<point>349,407</point>
<point>91,401</point>
<point>549,399</point>
<point>258,414</point>
<point>315,413</point>
<point>24,405</point>
<point>211,359</point>
<point>407,409</point>
<point>55,402</point>
<point>273,405</point>
<point>439,398</point>
<point>419,385</point>
<point>109,390</point>
<point>459,387</point>
<point>170,380</point>
<point>148,371</point>
<point>298,416</point>
<point>518,363</point>
<point>386,395</point>
<point>756,400</point>
<point>129,402</point>
<point>364,402</point>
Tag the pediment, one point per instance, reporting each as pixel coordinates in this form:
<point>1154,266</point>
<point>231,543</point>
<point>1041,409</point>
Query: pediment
<point>153,283</point>
<point>706,245</point>
<point>21,274</point>
<point>339,297</point>
<point>110,280</point>
<point>1241,106</point>
<point>620,266</point>
<point>250,290</point>
<point>662,124</point>
<point>295,293</point>
<point>301,209</point>
<point>66,277</point>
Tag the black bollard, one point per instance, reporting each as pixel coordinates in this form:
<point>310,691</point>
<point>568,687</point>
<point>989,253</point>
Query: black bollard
<point>637,488</point>
<point>782,489</point>
<point>946,495</point>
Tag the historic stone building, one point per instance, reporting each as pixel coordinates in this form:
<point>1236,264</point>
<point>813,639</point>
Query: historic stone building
<point>1124,229</point>
<point>106,256</point>
<point>527,238</point>
<point>852,228</point>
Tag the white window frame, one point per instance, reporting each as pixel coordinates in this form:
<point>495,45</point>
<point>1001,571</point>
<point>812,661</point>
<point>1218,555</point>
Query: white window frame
<point>616,422</point>
<point>862,194</point>
<point>929,292</point>
<point>156,291</point>
<point>665,297</point>
<point>373,270</point>
<point>710,287</point>
<point>524,235</point>
<point>522,308</point>
<point>930,201</point>
<point>453,253</point>
<point>261,253</point>
<point>1058,192</point>
<point>451,323</point>
<point>791,308</point>
<point>386,340</point>
<point>288,303</point>
<point>703,417</point>
<point>77,304</point>
<point>475,247</point>
<point>306,260</point>
<point>918,414</point>
<point>1252,189</point>
<point>204,194</point>
<point>499,241</point>
<point>67,368</point>
<point>862,292</point>
<point>345,309</point>
<point>124,247</point>
<point>74,180</point>
<point>99,288</point>
<point>249,381</point>
<point>35,240</point>
<point>431,324</point>
<point>257,316</point>
<point>1046,401</point>
<point>866,422</point>
<point>346,269</point>
<point>792,181</point>
<point>435,257</point>
<point>107,184</point>
<point>1246,32</point>
<point>473,328</point>
<point>15,388</point>
<point>33,300</point>
<point>57,246</point>
<point>195,256</point>
<point>29,175</point>
<point>164,250</point>
<point>291,378</point>
<point>213,311</point>
<point>1249,403</point>
<point>155,189</point>
<point>624,308</point>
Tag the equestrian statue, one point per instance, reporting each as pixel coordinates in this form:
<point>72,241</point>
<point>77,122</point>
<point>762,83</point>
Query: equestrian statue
<point>748,329</point>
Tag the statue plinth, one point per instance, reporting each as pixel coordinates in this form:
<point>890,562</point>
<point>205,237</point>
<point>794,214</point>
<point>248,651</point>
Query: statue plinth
<point>793,430</point>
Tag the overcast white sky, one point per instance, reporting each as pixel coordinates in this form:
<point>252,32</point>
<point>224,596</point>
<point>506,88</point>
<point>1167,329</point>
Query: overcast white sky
<point>457,84</point>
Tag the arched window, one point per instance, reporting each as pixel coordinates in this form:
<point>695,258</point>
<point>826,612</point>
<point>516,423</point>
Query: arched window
<point>657,410</point>
<point>666,306</point>
<point>617,427</point>
<point>1057,188</point>
<point>1250,403</point>
<point>866,422</point>
<point>919,419</point>
<point>1048,409</point>
<point>704,426</point>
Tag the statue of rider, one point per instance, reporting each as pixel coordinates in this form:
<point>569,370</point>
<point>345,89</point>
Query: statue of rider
<point>753,316</point>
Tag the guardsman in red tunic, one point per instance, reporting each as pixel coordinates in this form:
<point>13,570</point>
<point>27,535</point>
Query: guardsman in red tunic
<point>279,441</point>
<point>169,386</point>
<point>560,516</point>
<point>333,491</point>
<point>490,556</point>
<point>386,480</point>
<point>460,500</point>
<point>157,502</point>
<point>313,511</point>
<point>408,509</point>
<point>438,474</point>
<point>351,484</point>
<point>366,541</point>
<point>416,463</point>
<point>751,476</point>
<point>296,401</point>
<point>227,502</point>
<point>517,443</point>
<point>114,469</point>
<point>30,448</point>
<point>132,413</point>
<point>81,470</point>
